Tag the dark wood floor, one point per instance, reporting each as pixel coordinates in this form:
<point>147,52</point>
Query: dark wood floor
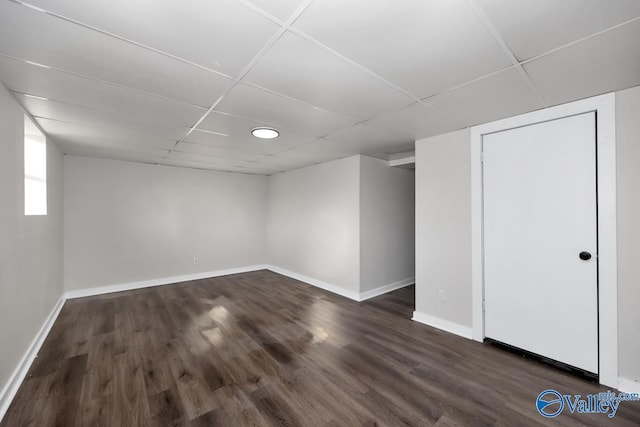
<point>262,349</point>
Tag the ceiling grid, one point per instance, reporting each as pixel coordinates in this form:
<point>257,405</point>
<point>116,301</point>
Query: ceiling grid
<point>184,86</point>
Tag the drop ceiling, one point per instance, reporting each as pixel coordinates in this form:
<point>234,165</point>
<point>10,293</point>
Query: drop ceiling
<point>183,83</point>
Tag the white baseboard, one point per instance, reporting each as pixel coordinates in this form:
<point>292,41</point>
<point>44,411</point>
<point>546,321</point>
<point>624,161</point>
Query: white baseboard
<point>15,381</point>
<point>159,282</point>
<point>386,288</point>
<point>339,290</point>
<point>315,282</point>
<point>445,325</point>
<point>628,386</point>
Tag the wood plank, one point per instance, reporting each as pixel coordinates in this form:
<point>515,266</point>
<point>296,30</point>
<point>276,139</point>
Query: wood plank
<point>262,349</point>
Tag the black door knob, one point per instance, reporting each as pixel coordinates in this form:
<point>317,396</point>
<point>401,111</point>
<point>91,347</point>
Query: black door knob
<point>585,256</point>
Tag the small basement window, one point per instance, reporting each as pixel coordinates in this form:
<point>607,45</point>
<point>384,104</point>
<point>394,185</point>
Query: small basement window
<point>35,170</point>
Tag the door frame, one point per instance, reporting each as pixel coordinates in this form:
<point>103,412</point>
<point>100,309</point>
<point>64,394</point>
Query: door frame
<point>604,106</point>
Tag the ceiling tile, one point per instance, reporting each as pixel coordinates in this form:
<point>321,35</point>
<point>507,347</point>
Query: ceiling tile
<point>305,90</point>
<point>206,150</point>
<point>282,163</point>
<point>267,107</point>
<point>234,143</point>
<point>366,134</point>
<point>198,165</point>
<point>212,166</point>
<point>423,46</point>
<point>259,171</point>
<point>414,122</point>
<point>601,64</point>
<point>222,34</point>
<point>176,154</point>
<point>115,127</point>
<point>531,28</point>
<point>239,127</point>
<point>60,44</point>
<point>500,95</point>
<point>330,150</point>
<point>55,85</point>
<point>360,139</point>
<point>321,150</point>
<point>281,9</point>
<point>116,138</point>
<point>96,118</point>
<point>302,70</point>
<point>134,154</point>
<point>309,155</point>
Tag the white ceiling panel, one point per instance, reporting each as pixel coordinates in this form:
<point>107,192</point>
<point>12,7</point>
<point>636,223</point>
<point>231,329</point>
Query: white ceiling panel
<point>96,118</point>
<point>264,106</point>
<point>323,150</point>
<point>531,28</point>
<point>597,65</point>
<point>218,166</point>
<point>222,35</point>
<point>118,138</point>
<point>260,168</point>
<point>70,47</point>
<point>198,165</point>
<point>55,85</point>
<point>339,149</point>
<point>423,46</point>
<point>219,160</point>
<point>118,155</point>
<point>113,126</point>
<point>207,150</point>
<point>501,95</point>
<point>259,171</point>
<point>359,139</point>
<point>281,9</point>
<point>401,150</point>
<point>415,122</point>
<point>302,70</point>
<point>128,80</point>
<point>282,163</point>
<point>235,143</point>
<point>309,155</point>
<point>239,127</point>
<point>364,134</point>
<point>132,154</point>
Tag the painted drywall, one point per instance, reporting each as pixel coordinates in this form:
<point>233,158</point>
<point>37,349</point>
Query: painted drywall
<point>30,247</point>
<point>387,224</point>
<point>313,222</point>
<point>443,227</point>
<point>128,222</point>
<point>628,183</point>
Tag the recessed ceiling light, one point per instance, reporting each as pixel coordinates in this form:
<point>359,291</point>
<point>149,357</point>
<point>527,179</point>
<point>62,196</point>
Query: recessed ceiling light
<point>265,133</point>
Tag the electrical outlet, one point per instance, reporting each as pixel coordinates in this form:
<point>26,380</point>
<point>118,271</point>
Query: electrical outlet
<point>442,295</point>
<point>195,260</point>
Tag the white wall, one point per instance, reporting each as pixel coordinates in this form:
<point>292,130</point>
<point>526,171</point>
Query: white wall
<point>628,191</point>
<point>30,246</point>
<point>443,227</point>
<point>128,222</point>
<point>313,222</point>
<point>387,224</point>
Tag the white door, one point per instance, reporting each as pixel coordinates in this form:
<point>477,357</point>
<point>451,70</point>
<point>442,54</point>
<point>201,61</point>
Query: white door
<point>540,221</point>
